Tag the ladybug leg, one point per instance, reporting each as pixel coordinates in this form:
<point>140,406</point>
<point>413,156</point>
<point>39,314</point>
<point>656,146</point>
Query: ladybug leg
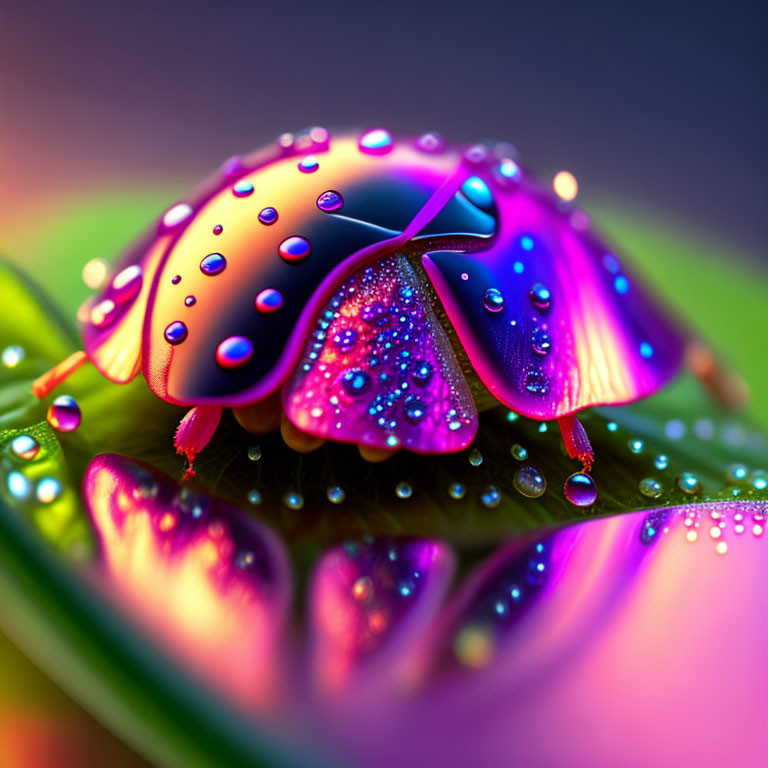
<point>727,386</point>
<point>300,441</point>
<point>46,383</point>
<point>374,455</point>
<point>576,441</point>
<point>195,431</point>
<point>261,417</point>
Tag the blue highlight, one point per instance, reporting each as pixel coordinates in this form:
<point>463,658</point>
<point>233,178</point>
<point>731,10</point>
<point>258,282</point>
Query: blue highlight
<point>621,284</point>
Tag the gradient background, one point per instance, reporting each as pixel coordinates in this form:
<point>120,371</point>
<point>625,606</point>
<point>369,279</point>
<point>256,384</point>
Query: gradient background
<point>659,105</point>
<point>658,108</point>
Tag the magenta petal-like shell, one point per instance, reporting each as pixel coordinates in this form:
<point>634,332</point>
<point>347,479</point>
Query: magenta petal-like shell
<point>379,370</point>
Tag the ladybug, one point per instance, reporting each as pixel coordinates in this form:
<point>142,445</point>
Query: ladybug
<point>364,288</point>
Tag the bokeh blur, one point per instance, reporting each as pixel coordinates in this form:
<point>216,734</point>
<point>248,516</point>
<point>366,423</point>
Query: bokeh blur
<point>658,108</point>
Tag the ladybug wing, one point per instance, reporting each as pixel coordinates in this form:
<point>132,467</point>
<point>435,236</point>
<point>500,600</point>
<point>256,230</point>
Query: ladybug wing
<point>379,370</point>
<point>550,320</point>
<point>231,311</point>
<point>112,323</point>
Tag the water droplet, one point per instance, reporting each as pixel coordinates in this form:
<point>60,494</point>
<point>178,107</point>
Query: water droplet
<point>518,452</point>
<point>490,497</point>
<point>650,488</point>
<point>345,339</point>
<point>540,341</point>
<point>415,409</point>
<point>234,352</point>
<point>509,169</point>
<point>64,414</point>
<point>430,142</point>
<point>126,284</point>
<point>254,452</point>
<point>689,483</point>
<point>268,216</point>
<point>580,489</point>
<point>475,458</point>
<point>636,446</point>
<point>512,416</point>
<point>218,229</point>
<point>540,296</point>
<point>330,200</point>
<point>176,279</point>
<point>48,490</point>
<point>422,372</point>
<point>478,192</point>
<point>403,491</point>
<point>103,313</point>
<point>190,301</point>
<point>309,164</point>
<point>537,383</point>
<point>18,485</point>
<point>295,248</point>
<point>177,214</point>
<point>12,355</point>
<point>213,264</point>
<point>759,479</point>
<point>529,482</point>
<point>254,496</point>
<point>336,495</point>
<point>293,500</point>
<point>175,332</point>
<point>377,141</point>
<point>661,461</point>
<point>242,189</point>
<point>612,426</point>
<point>269,301</point>
<point>621,285</point>
<point>355,382</point>
<point>493,301</point>
<point>736,473</point>
<point>476,154</point>
<point>25,447</point>
<point>457,491</point>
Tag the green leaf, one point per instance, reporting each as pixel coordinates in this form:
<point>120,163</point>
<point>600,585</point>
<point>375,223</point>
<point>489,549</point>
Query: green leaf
<point>373,507</point>
<point>39,486</point>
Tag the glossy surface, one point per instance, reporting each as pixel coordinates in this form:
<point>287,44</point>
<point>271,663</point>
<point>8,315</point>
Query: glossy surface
<point>550,320</point>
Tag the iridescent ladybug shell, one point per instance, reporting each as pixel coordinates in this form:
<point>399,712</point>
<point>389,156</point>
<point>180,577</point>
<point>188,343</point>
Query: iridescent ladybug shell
<point>293,264</point>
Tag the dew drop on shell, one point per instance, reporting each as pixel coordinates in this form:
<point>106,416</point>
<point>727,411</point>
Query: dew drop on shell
<point>175,332</point>
<point>213,264</point>
<point>403,491</point>
<point>268,216</point>
<point>540,296</point>
<point>519,452</point>
<point>336,495</point>
<point>294,249</point>
<point>493,300</point>
<point>330,200</point>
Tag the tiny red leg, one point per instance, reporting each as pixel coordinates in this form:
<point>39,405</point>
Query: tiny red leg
<point>576,441</point>
<point>195,431</point>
